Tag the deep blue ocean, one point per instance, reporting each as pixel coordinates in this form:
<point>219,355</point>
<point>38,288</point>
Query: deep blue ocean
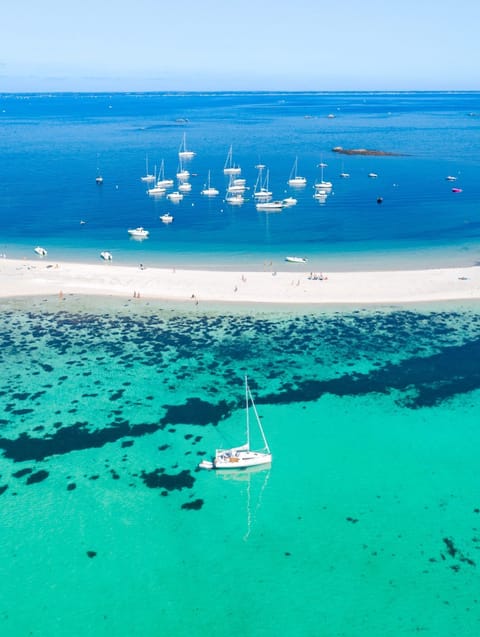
<point>53,145</point>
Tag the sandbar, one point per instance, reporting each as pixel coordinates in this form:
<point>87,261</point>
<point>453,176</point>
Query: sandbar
<point>24,278</point>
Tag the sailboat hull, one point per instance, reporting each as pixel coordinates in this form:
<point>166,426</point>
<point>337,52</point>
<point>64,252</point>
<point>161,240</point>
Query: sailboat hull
<point>227,459</point>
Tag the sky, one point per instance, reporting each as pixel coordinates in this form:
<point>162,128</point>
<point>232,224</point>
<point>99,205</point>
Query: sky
<point>212,45</point>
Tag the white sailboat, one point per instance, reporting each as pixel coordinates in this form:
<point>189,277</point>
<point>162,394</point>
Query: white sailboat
<point>182,173</point>
<point>261,190</point>
<point>158,188</point>
<point>183,153</point>
<point>343,174</point>
<point>209,191</point>
<point>322,184</point>
<point>230,168</point>
<point>236,185</point>
<point>234,198</point>
<point>296,180</point>
<point>148,177</point>
<point>162,182</point>
<point>243,456</point>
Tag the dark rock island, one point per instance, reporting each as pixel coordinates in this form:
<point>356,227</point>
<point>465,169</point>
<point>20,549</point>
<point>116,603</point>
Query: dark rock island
<point>361,151</point>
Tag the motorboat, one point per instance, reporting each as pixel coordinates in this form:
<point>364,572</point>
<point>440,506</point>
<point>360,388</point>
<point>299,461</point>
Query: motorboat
<point>296,259</point>
<point>321,195</point>
<point>372,175</point>
<point>175,196</point>
<point>450,178</point>
<point>138,232</point>
<point>166,218</point>
<point>289,201</point>
<point>40,251</point>
<point>99,180</point>
<point>269,205</point>
<point>185,186</point>
<point>456,190</point>
<point>106,256</point>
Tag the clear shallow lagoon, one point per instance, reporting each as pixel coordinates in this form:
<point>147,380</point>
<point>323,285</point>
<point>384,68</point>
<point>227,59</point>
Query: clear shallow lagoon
<point>53,145</point>
<point>368,521</point>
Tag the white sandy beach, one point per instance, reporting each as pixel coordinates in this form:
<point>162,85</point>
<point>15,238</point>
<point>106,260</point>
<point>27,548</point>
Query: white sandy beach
<point>22,278</point>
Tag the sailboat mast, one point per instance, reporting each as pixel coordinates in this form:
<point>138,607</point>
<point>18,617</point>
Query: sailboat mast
<point>260,426</point>
<point>247,412</point>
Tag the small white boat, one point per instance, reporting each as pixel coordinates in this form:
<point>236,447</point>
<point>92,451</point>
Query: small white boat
<point>373,175</point>
<point>106,256</point>
<point>209,191</point>
<point>185,186</point>
<point>156,190</point>
<point>166,218</point>
<point>162,181</point>
<point>175,196</point>
<point>243,456</point>
<point>138,232</point>
<point>235,199</point>
<point>321,196</point>
<point>344,175</point>
<point>269,205</point>
<point>450,178</point>
<point>322,184</point>
<point>236,188</point>
<point>296,180</point>
<point>99,180</point>
<point>289,201</point>
<point>230,168</point>
<point>183,153</point>
<point>296,259</point>
<point>261,190</point>
<point>40,251</point>
<point>183,175</point>
<point>148,177</point>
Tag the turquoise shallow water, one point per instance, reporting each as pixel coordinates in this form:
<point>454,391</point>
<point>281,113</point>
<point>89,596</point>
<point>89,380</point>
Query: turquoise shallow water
<point>368,521</point>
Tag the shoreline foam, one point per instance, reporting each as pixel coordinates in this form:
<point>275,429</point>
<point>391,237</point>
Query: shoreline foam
<point>24,278</point>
